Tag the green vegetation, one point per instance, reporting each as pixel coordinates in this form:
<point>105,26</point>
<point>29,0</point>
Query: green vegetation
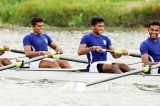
<point>77,13</point>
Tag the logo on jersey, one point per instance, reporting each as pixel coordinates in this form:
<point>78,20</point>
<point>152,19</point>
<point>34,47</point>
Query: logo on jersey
<point>104,42</point>
<point>46,40</point>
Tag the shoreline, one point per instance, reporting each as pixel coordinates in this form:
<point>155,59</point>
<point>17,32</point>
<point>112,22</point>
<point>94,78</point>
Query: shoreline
<point>49,28</point>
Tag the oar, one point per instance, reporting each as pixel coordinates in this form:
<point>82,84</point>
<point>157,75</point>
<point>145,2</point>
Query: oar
<point>14,50</point>
<point>134,63</point>
<point>17,51</point>
<point>18,64</point>
<point>69,59</point>
<point>80,87</point>
<point>55,56</point>
<point>120,52</point>
<point>124,74</point>
<point>17,58</point>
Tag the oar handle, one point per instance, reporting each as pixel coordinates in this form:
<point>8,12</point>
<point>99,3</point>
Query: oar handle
<point>120,52</point>
<point>1,48</point>
<point>112,51</point>
<point>13,50</point>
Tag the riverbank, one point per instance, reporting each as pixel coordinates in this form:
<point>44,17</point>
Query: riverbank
<point>75,13</point>
<point>49,28</point>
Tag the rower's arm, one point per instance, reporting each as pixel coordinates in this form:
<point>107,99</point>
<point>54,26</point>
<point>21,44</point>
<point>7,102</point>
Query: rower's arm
<point>83,50</point>
<point>146,61</point>
<point>29,53</point>
<point>56,48</point>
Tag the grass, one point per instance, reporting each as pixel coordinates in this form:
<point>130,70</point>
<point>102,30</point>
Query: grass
<point>77,13</point>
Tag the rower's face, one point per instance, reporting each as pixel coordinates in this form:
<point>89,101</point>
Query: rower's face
<point>154,31</point>
<point>98,28</point>
<point>38,28</point>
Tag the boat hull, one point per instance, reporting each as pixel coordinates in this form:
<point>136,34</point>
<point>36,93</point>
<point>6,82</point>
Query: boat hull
<point>71,75</point>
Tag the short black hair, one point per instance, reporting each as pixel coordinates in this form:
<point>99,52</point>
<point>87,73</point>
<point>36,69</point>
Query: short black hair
<point>35,20</point>
<point>96,20</point>
<point>155,22</point>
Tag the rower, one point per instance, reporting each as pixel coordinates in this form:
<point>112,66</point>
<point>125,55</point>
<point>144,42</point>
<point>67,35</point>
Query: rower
<point>93,44</point>
<point>150,48</point>
<point>36,44</point>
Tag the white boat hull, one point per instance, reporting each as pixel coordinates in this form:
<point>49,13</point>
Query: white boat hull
<point>67,75</point>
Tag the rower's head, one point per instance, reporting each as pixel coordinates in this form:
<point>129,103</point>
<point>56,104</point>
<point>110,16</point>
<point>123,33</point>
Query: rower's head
<point>154,29</point>
<point>37,25</point>
<point>97,25</point>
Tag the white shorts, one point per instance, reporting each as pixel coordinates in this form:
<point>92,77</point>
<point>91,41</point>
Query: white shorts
<point>154,71</point>
<point>36,63</point>
<point>93,67</point>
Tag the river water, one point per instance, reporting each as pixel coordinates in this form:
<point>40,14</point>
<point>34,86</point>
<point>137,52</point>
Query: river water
<point>16,92</point>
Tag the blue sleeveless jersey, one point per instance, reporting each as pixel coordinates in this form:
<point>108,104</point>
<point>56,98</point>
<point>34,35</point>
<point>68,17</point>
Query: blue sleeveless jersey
<point>37,43</point>
<point>91,40</point>
<point>151,48</point>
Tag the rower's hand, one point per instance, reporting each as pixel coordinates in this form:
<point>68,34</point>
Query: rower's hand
<point>6,48</point>
<point>125,52</point>
<point>46,53</point>
<point>59,51</point>
<point>97,48</point>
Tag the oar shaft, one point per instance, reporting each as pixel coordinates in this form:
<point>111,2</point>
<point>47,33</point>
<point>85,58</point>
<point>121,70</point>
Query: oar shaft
<point>7,67</point>
<point>62,58</point>
<point>74,60</point>
<point>122,75</point>
<point>25,62</point>
<point>17,51</point>
<point>115,77</point>
<point>14,50</point>
<point>134,55</point>
<point>134,63</point>
<point>35,59</point>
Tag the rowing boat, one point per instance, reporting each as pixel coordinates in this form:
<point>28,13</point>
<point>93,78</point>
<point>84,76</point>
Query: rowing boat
<point>77,75</point>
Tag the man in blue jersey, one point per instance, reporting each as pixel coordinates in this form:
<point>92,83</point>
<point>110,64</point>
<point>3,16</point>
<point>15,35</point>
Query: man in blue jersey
<point>4,61</point>
<point>92,45</point>
<point>36,43</point>
<point>150,48</point>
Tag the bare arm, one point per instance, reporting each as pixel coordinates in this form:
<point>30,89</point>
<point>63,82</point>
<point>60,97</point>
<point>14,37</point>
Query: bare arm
<point>29,53</point>
<point>146,61</point>
<point>56,48</point>
<point>83,50</point>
